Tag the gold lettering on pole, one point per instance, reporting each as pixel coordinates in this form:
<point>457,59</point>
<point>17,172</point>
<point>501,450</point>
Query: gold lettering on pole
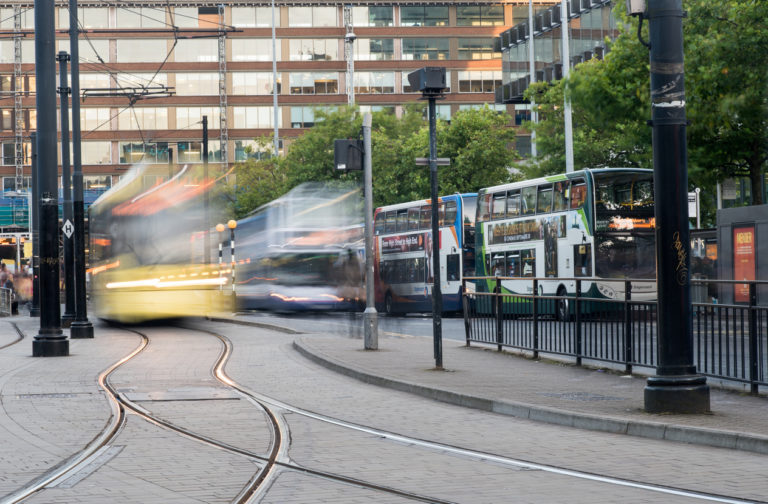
<point>681,269</point>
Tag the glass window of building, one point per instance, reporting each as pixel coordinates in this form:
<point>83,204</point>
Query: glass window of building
<point>95,119</point>
<point>479,81</point>
<point>498,107</point>
<point>208,17</point>
<point>314,83</point>
<point>253,83</point>
<point>93,51</point>
<point>96,152</point>
<point>143,50</point>
<point>374,49</point>
<point>480,15</point>
<point>97,182</point>
<point>93,17</point>
<point>6,120</point>
<point>192,152</point>
<point>314,49</point>
<point>192,117</point>
<point>372,16</point>
<point>91,80</point>
<point>28,51</point>
<point>425,49</point>
<point>138,17</point>
<point>374,82</point>
<point>185,17</point>
<point>255,117</point>
<point>200,50</point>
<point>9,183</point>
<point>424,15</point>
<point>477,49</point>
<point>251,149</point>
<point>6,83</point>
<point>139,152</point>
<point>143,118</point>
<point>254,17</point>
<point>389,109</point>
<point>197,84</point>
<point>312,16</point>
<point>303,117</point>
<point>251,49</point>
<point>27,18</point>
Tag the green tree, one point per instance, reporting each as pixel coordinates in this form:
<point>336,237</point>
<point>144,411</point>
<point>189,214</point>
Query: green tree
<point>726,62</point>
<point>255,181</point>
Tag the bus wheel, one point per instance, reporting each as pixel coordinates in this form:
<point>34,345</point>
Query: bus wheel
<point>563,312</point>
<point>388,304</point>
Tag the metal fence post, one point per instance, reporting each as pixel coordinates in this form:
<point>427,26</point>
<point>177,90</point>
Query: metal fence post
<point>753,366</point>
<point>499,315</point>
<point>577,307</point>
<point>627,327</point>
<point>465,307</point>
<point>535,319</point>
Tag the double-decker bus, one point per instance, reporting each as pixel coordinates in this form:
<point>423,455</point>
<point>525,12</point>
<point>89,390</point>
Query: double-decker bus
<point>594,223</point>
<point>403,253</point>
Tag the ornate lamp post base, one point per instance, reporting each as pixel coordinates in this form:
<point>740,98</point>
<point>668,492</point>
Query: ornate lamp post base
<point>50,346</point>
<point>677,394</point>
<point>81,330</point>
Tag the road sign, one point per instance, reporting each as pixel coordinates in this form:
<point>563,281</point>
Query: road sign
<point>68,228</point>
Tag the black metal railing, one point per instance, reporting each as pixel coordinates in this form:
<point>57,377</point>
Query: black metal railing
<point>611,323</point>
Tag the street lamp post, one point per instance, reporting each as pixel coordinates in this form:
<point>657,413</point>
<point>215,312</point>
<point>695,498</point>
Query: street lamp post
<point>232,224</point>
<point>220,229</point>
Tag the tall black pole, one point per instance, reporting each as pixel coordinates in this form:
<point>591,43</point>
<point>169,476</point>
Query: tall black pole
<point>676,387</point>
<point>437,295</point>
<point>50,341</point>
<point>66,182</point>
<point>34,310</point>
<point>207,239</point>
<point>81,327</point>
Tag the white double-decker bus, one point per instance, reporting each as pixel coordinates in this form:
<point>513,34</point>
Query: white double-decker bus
<point>596,224</point>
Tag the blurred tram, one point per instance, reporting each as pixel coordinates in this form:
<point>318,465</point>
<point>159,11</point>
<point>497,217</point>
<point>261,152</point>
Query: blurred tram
<point>147,248</point>
<point>302,251</point>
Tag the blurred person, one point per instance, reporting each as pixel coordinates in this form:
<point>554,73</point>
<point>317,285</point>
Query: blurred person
<point>7,283</point>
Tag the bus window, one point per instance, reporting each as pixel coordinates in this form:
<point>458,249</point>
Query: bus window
<point>529,200</point>
<point>497,265</point>
<point>513,263</point>
<point>402,220</point>
<point>484,208</point>
<point>582,260</point>
<point>498,207</point>
<point>391,222</point>
<point>441,215</point>
<point>379,225</point>
<point>450,213</point>
<point>413,219</point>
<point>452,267</point>
<point>578,194</point>
<point>544,204</point>
<point>513,203</point>
<point>560,197</point>
<point>528,260</point>
<point>419,264</point>
<point>426,217</point>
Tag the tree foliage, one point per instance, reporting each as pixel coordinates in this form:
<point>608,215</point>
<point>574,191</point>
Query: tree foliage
<point>477,142</point>
<point>726,64</point>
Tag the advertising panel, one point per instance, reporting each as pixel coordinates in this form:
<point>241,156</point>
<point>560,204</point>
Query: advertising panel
<point>743,261</point>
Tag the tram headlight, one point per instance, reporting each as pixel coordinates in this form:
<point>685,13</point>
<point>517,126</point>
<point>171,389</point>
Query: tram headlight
<point>606,291</point>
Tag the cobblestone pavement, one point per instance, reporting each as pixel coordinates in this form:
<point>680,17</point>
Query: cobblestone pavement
<point>52,407</point>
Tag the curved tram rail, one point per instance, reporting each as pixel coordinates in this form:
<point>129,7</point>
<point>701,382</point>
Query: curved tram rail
<point>278,457</point>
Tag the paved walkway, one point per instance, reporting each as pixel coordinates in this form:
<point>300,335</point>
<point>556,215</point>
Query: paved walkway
<point>539,390</point>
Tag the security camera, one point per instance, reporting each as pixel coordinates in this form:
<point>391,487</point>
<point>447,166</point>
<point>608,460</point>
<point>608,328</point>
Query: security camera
<point>350,37</point>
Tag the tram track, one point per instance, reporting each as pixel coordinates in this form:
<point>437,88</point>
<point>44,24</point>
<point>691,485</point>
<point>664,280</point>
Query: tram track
<point>495,458</point>
<point>19,333</point>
